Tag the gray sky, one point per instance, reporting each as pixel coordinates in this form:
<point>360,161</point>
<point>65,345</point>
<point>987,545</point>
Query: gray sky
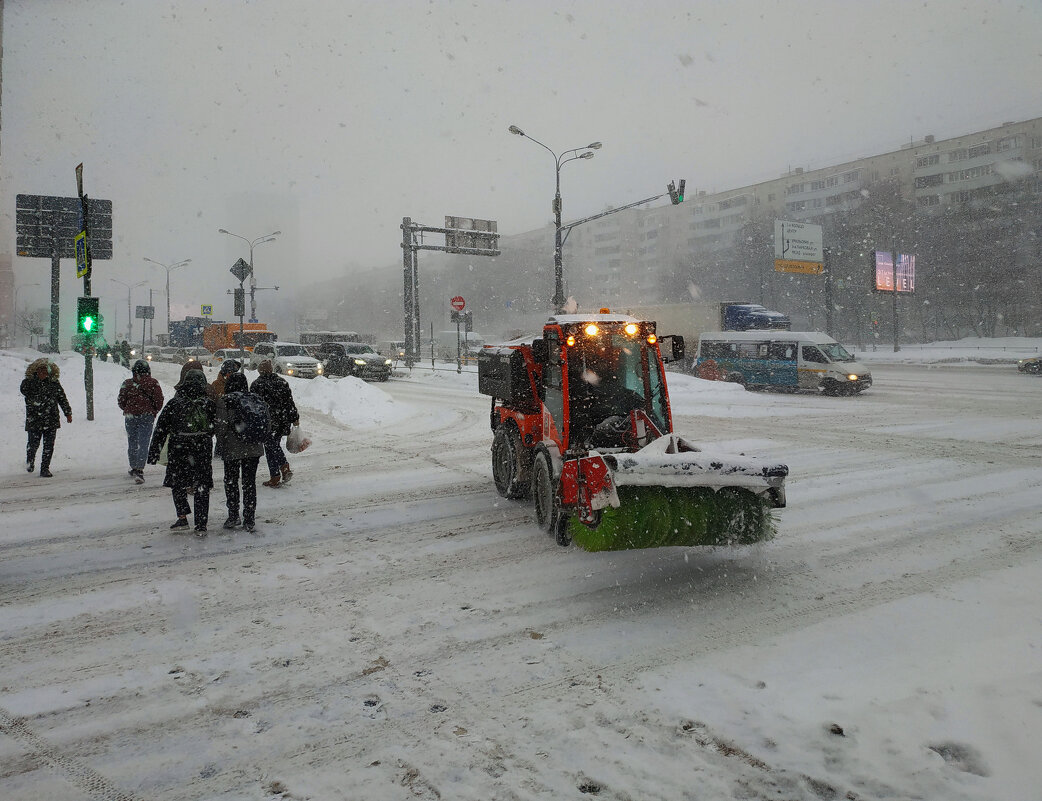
<point>333,119</point>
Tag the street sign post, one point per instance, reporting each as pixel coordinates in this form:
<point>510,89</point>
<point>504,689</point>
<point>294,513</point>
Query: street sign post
<point>458,303</point>
<point>797,248</point>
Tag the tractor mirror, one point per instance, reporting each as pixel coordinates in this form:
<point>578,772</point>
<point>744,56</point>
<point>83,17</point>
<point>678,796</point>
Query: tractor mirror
<point>540,351</point>
<point>672,348</point>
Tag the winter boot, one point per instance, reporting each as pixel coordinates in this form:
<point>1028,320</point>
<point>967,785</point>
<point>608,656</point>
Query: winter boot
<point>181,522</point>
<point>274,481</point>
<point>45,473</point>
<point>29,467</point>
<point>287,474</point>
<point>248,524</point>
<point>232,521</point>
<point>139,476</point>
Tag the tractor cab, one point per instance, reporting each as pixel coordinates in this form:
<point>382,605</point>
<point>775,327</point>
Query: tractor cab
<point>603,385</point>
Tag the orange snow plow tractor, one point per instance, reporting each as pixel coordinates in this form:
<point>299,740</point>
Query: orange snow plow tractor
<point>582,423</point>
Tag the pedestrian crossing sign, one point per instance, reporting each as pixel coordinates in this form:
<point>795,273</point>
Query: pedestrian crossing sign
<point>206,310</point>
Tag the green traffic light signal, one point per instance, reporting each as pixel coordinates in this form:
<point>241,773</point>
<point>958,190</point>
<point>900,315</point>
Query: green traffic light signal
<point>87,315</point>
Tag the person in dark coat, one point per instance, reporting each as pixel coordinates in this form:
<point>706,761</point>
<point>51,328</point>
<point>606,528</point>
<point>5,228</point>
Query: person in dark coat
<point>275,391</point>
<point>124,354</point>
<point>189,421</point>
<point>44,396</point>
<point>240,458</point>
<point>228,366</point>
<point>141,399</point>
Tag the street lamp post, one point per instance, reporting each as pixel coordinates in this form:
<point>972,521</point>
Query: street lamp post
<point>559,161</point>
<point>130,317</point>
<point>260,240</point>
<point>169,268</point>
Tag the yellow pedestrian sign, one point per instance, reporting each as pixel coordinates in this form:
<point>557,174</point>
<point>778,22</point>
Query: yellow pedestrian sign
<point>206,310</point>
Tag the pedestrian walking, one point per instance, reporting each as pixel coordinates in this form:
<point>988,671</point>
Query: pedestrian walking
<point>188,421</point>
<point>44,396</point>
<point>243,426</point>
<point>275,391</point>
<point>228,366</point>
<point>141,399</point>
<point>124,354</point>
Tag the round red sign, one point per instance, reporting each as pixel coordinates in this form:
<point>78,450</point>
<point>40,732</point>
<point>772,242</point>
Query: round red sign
<point>458,303</point>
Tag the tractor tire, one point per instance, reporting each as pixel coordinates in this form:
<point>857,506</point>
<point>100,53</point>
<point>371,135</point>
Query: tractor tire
<point>511,463</point>
<point>543,491</point>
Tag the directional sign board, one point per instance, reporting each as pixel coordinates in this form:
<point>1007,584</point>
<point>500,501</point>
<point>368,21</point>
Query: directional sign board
<point>145,312</point>
<point>797,248</point>
<point>466,233</point>
<point>45,224</point>
<point>458,303</point>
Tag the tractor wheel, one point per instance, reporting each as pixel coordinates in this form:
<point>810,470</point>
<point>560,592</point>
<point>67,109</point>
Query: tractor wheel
<point>511,463</point>
<point>543,492</point>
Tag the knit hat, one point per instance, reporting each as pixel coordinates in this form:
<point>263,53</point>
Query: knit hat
<point>229,366</point>
<point>141,367</point>
<point>265,366</point>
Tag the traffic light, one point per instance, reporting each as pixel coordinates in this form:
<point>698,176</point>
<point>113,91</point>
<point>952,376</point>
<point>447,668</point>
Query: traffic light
<point>676,195</point>
<point>87,315</point>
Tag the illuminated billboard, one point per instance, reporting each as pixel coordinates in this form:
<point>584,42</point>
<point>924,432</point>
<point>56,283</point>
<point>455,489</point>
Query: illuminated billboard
<point>886,276</point>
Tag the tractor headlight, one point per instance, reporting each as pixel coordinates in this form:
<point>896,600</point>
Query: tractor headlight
<point>360,362</point>
<point>631,329</point>
<point>591,330</point>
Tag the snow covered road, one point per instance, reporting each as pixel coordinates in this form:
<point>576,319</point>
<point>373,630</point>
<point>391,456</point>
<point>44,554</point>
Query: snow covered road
<point>396,630</point>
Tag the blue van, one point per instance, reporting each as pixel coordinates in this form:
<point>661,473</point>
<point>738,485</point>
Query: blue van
<point>792,360</point>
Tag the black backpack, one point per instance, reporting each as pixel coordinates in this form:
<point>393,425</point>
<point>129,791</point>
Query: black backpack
<point>248,416</point>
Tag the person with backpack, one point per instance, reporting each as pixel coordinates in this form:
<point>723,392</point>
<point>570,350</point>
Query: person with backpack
<point>228,366</point>
<point>188,421</point>
<point>44,396</point>
<point>275,391</point>
<point>141,399</point>
<point>243,426</point>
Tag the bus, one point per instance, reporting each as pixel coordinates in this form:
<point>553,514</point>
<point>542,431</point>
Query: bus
<point>793,360</point>
<point>226,335</point>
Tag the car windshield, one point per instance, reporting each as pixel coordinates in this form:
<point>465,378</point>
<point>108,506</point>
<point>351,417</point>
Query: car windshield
<point>292,350</point>
<point>359,349</point>
<point>836,352</point>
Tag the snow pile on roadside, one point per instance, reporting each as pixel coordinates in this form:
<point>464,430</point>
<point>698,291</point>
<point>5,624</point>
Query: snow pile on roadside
<point>969,350</point>
<point>350,401</point>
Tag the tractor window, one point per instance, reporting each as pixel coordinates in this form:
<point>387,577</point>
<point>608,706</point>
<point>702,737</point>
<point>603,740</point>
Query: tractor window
<point>657,407</point>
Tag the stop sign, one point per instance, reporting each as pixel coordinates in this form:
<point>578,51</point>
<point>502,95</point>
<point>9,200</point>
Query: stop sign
<point>458,303</point>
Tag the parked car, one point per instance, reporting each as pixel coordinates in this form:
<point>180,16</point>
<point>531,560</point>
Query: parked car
<point>201,355</point>
<point>1032,365</point>
<point>287,358</point>
<point>354,359</point>
<point>219,356</point>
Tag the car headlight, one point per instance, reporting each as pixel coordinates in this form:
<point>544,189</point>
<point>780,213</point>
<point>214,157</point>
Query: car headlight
<point>289,370</point>
<point>852,377</point>
<point>388,362</point>
<point>360,362</point>
<point>318,369</point>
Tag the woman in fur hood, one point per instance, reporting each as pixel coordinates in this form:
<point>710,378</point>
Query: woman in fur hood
<point>44,396</point>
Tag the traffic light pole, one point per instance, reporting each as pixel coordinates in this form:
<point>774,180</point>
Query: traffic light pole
<point>88,340</point>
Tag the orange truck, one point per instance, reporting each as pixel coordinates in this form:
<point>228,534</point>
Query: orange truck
<point>226,335</point>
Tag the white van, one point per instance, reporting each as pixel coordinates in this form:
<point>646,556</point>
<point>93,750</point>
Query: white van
<point>792,360</point>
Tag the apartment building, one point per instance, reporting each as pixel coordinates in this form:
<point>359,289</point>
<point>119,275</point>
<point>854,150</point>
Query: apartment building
<point>624,255</point>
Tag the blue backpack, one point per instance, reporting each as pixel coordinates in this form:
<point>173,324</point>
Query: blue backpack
<point>248,416</point>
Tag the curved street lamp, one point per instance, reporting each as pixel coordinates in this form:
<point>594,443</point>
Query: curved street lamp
<point>260,240</point>
<point>169,268</point>
<point>559,161</point>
